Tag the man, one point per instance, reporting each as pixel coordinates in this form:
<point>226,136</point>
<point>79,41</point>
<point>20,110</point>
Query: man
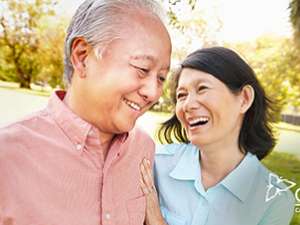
<point>77,161</point>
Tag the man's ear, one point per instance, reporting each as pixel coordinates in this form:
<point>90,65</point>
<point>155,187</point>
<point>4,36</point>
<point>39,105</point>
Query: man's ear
<point>247,95</point>
<point>80,50</point>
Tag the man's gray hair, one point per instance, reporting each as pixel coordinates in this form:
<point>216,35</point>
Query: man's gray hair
<point>100,22</point>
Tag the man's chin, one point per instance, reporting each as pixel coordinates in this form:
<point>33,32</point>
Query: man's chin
<point>125,127</point>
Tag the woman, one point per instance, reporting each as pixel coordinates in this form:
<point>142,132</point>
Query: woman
<point>213,176</point>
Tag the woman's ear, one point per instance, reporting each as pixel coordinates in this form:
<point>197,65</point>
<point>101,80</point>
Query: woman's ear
<point>80,50</point>
<point>247,95</point>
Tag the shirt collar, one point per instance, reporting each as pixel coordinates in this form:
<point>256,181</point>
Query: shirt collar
<point>187,167</point>
<point>77,129</point>
<point>240,181</point>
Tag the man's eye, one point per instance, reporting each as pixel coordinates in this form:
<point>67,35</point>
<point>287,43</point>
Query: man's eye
<point>144,70</point>
<point>141,70</point>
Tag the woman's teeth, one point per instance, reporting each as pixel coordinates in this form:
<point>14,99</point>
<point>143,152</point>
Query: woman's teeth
<point>198,121</point>
<point>133,105</point>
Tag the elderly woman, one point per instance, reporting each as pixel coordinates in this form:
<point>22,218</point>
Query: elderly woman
<point>214,176</point>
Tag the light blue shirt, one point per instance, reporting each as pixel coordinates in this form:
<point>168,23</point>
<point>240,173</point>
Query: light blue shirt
<point>239,199</point>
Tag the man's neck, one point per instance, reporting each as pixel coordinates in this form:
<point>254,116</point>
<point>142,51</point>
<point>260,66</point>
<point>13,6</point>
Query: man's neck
<point>105,138</point>
<point>106,142</point>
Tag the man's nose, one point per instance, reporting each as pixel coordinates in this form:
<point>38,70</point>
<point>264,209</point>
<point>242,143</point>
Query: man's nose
<point>150,90</point>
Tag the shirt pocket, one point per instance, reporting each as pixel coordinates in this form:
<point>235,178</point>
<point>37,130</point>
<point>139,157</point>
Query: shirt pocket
<point>136,209</point>
<point>172,218</point>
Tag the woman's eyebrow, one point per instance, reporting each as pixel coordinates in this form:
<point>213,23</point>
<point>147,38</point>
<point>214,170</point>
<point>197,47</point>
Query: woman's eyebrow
<point>143,57</point>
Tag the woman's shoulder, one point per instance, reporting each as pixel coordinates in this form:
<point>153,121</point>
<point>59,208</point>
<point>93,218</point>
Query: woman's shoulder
<point>169,155</point>
<point>162,150</point>
<point>272,179</point>
<point>278,192</point>
<point>279,198</point>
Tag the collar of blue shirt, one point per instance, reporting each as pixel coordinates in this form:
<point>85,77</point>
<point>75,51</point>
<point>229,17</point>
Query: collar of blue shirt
<point>238,182</point>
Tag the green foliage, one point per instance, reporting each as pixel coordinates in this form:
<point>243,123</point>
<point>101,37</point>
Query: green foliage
<point>172,14</point>
<point>51,53</point>
<point>276,62</point>
<point>295,17</point>
<point>20,37</point>
<point>165,103</point>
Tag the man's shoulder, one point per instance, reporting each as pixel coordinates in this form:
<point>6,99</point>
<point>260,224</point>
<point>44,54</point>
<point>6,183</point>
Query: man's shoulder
<point>140,135</point>
<point>16,133</point>
<point>140,139</point>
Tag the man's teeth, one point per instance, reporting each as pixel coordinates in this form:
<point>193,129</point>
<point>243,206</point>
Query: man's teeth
<point>133,105</point>
<point>198,121</point>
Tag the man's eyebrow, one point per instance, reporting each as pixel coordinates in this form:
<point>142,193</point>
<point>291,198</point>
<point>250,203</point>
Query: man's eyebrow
<point>148,58</point>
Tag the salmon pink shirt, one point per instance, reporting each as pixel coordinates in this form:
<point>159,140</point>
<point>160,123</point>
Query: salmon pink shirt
<point>53,172</point>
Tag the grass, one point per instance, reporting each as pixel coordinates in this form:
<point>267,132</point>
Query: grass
<point>35,89</point>
<point>287,126</point>
<point>287,166</point>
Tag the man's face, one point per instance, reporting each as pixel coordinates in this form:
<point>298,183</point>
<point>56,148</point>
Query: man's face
<point>128,78</point>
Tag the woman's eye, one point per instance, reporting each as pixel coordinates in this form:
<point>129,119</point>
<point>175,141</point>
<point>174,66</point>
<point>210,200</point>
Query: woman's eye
<point>202,88</point>
<point>180,95</point>
<point>161,79</point>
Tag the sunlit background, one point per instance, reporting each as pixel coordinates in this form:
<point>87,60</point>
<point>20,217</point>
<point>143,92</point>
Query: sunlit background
<point>242,20</point>
<point>31,56</point>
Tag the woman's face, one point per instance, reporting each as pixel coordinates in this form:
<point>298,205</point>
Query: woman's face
<point>207,109</point>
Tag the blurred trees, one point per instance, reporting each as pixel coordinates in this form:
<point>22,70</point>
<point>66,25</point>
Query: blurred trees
<point>294,56</point>
<point>20,38</point>
<point>31,46</point>
<point>295,17</point>
<point>275,61</point>
<point>51,53</point>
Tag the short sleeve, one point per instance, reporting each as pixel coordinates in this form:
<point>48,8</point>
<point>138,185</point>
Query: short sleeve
<point>280,211</point>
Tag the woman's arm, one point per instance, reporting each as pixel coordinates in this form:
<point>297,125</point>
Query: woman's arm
<point>153,213</point>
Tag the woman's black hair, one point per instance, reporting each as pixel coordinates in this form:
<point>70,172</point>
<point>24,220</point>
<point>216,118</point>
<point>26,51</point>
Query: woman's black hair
<point>256,134</point>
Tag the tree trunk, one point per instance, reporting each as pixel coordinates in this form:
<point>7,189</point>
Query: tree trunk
<point>24,79</point>
<point>25,84</point>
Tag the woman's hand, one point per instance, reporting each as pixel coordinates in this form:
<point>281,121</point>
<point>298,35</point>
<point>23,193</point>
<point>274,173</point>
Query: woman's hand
<point>153,214</point>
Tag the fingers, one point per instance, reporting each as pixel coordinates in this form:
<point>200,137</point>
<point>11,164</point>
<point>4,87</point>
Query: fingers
<point>146,181</point>
<point>145,189</point>
<point>153,214</point>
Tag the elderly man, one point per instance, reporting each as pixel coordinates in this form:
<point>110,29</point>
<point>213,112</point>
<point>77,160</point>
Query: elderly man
<point>77,161</point>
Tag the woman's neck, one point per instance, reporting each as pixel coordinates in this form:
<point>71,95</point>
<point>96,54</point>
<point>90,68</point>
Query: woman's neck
<point>217,162</point>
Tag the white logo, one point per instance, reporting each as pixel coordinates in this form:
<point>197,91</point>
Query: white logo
<point>273,191</point>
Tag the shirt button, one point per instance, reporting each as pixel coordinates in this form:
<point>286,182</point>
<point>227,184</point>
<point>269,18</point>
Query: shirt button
<point>107,216</point>
<point>78,147</point>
